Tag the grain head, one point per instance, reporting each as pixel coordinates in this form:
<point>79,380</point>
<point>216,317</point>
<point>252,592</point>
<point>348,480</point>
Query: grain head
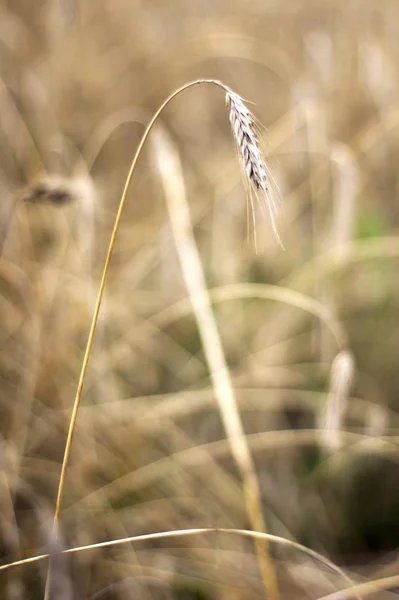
<point>246,138</point>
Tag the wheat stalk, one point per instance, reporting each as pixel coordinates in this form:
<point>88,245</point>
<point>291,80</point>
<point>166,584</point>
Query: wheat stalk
<point>244,132</point>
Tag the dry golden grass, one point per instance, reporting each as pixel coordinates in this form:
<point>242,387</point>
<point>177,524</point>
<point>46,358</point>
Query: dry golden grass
<point>151,451</point>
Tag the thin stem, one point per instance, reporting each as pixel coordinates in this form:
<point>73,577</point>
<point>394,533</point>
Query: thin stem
<point>164,535</point>
<point>72,423</point>
<point>89,344</point>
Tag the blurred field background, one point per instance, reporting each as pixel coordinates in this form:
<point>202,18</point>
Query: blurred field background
<point>78,81</point>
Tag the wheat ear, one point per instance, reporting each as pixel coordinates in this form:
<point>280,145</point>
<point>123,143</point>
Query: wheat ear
<point>251,488</point>
<point>247,142</point>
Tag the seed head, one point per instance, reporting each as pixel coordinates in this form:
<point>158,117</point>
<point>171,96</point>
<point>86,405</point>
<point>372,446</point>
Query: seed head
<point>54,190</point>
<point>247,142</point>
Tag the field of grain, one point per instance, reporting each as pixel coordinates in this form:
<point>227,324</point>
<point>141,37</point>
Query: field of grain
<point>239,378</point>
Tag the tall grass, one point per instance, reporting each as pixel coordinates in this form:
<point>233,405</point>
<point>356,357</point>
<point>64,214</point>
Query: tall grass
<point>150,451</point>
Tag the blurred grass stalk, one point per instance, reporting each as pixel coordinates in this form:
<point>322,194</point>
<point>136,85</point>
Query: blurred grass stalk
<point>169,166</point>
